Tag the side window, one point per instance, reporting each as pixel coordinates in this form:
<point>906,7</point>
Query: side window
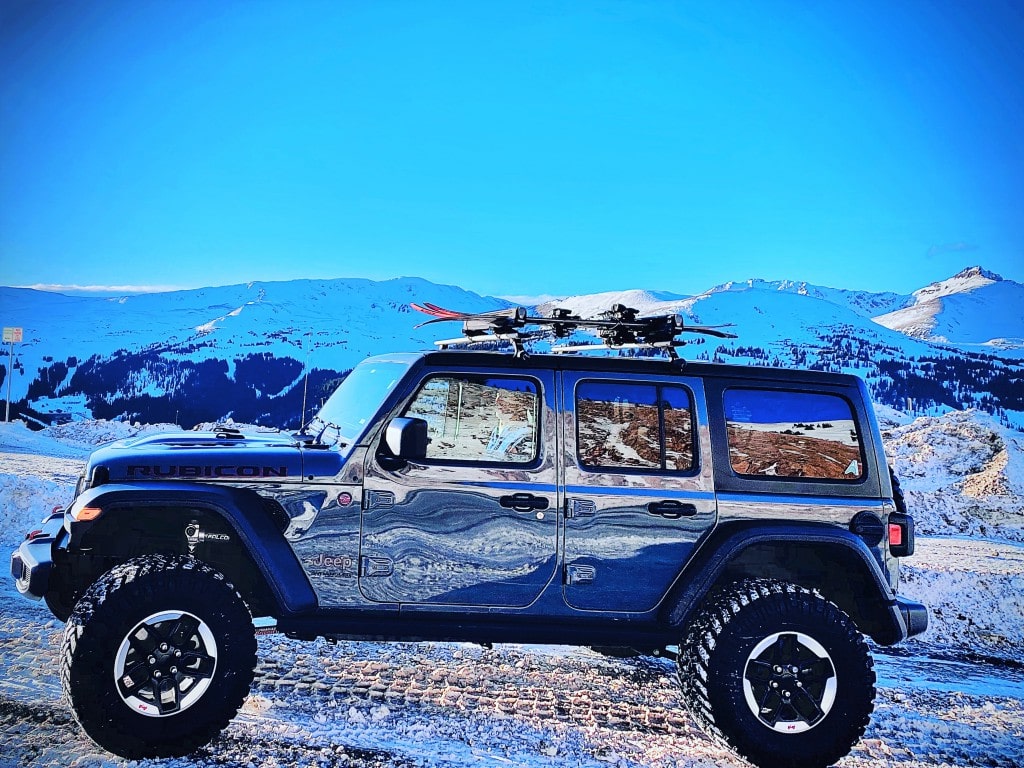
<point>774,433</point>
<point>634,426</point>
<point>479,419</point>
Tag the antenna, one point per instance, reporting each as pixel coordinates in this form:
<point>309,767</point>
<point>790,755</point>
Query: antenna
<point>305,384</point>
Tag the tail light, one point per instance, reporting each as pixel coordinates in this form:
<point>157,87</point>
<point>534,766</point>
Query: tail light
<point>901,534</point>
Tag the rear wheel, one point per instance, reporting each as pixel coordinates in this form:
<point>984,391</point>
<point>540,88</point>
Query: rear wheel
<point>158,656</point>
<point>779,673</point>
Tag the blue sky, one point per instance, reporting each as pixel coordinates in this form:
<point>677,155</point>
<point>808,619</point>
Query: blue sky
<point>510,147</point>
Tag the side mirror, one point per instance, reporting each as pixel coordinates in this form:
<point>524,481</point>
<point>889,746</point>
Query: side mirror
<point>406,438</point>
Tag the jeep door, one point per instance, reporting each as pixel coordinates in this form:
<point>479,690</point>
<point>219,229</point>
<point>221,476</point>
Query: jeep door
<point>475,521</point>
<point>638,486</point>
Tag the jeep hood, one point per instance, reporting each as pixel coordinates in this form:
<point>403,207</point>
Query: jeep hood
<point>224,456</point>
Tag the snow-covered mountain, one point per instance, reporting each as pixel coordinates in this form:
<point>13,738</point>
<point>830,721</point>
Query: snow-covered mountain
<point>200,355</point>
<point>864,303</point>
<point>243,351</point>
<point>973,308</point>
<point>793,323</point>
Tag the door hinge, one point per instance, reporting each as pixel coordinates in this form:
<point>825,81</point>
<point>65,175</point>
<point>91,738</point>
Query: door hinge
<point>579,508</point>
<point>578,574</point>
<point>378,500</point>
<point>370,567</point>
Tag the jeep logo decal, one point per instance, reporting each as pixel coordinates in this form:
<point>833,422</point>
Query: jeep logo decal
<point>321,563</point>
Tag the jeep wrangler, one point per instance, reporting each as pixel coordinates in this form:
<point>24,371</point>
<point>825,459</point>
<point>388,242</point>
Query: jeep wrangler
<point>741,520</point>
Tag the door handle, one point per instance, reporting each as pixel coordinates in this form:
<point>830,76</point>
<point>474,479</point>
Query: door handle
<point>671,509</point>
<point>523,502</point>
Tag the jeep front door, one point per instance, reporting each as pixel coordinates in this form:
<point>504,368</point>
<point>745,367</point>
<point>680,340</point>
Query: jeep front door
<point>638,487</point>
<point>475,521</point>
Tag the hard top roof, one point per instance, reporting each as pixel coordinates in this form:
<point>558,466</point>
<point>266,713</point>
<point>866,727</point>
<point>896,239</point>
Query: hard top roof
<point>609,364</point>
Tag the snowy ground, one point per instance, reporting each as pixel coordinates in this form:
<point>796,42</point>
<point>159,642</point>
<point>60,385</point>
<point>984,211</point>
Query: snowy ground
<point>953,698</point>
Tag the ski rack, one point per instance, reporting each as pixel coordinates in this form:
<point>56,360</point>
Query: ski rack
<point>619,328</point>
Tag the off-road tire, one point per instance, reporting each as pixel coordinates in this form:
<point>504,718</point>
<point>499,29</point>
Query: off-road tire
<point>898,498</point>
<point>182,631</point>
<point>733,681</point>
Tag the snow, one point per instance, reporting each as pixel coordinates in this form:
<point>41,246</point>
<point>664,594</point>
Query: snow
<point>953,697</point>
<point>764,316</point>
<point>962,473</point>
<point>864,303</point>
<point>968,280</point>
<point>345,320</point>
<point>334,324</point>
<point>975,308</point>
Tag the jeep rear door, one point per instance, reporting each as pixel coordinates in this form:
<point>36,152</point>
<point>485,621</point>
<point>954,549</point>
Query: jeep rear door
<point>638,486</point>
<point>475,522</point>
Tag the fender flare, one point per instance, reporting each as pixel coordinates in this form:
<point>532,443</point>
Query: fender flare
<point>730,540</point>
<point>240,508</point>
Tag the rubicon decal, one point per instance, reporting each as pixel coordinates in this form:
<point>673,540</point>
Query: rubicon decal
<point>137,471</point>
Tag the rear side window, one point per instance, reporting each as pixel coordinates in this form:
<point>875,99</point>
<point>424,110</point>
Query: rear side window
<point>634,426</point>
<point>485,419</point>
<point>775,433</point>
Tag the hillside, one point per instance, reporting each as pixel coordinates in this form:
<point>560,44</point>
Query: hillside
<point>784,323</point>
<point>189,356</point>
<point>256,352</point>
<point>975,308</point>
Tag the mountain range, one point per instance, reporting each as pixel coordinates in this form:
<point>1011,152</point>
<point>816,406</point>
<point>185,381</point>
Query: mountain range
<point>261,352</point>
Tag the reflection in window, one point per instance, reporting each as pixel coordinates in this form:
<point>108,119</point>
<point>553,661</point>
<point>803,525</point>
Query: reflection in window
<point>774,433</point>
<point>478,419</point>
<point>634,426</point>
<point>678,428</point>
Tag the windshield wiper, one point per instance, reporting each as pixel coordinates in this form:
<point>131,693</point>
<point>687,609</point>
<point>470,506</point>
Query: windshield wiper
<point>330,425</point>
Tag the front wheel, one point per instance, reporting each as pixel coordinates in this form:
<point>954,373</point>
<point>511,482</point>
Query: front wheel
<point>157,657</point>
<point>779,673</point>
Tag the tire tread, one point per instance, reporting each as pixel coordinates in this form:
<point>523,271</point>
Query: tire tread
<point>146,578</point>
<point>712,622</point>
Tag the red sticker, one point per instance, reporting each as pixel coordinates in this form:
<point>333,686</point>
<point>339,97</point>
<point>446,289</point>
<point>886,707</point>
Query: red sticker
<point>344,499</point>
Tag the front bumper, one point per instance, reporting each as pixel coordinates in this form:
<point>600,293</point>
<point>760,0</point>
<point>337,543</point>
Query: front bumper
<point>32,562</point>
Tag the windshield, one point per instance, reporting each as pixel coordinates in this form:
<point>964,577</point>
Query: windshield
<point>348,411</point>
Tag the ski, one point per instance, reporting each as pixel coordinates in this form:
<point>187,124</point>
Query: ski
<point>617,326</point>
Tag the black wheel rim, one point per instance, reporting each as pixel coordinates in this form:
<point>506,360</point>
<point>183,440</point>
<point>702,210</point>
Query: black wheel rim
<point>165,663</point>
<point>789,682</point>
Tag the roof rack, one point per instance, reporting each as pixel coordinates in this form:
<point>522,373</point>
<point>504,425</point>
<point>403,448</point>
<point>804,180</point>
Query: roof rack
<point>618,328</point>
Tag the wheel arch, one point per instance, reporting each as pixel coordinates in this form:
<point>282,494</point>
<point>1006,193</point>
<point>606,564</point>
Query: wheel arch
<point>817,556</point>
<point>139,519</point>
